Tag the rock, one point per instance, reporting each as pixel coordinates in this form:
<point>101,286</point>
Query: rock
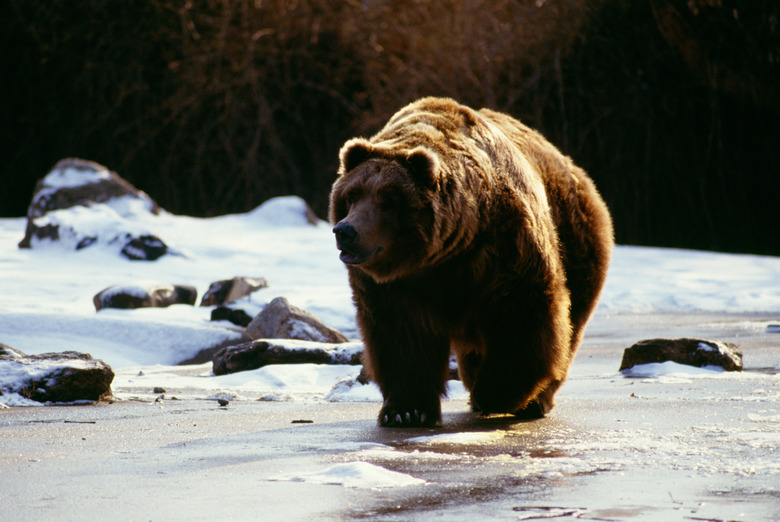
<point>81,203</point>
<point>236,316</point>
<point>281,320</point>
<point>146,247</point>
<point>693,352</point>
<point>259,353</point>
<point>55,377</point>
<point>74,182</point>
<point>9,352</point>
<point>144,296</point>
<point>229,290</point>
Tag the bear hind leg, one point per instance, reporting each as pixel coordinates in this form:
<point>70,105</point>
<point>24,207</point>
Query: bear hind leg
<point>468,369</point>
<point>541,405</point>
<point>524,362</point>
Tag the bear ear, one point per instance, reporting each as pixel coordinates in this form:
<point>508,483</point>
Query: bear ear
<point>353,153</point>
<point>423,165</point>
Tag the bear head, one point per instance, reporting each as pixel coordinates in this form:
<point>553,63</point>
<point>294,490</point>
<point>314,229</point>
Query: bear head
<point>381,206</point>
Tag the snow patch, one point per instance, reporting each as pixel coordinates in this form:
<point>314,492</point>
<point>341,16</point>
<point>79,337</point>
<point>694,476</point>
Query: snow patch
<point>286,211</point>
<point>350,390</point>
<point>355,475</point>
<point>75,177</point>
<point>669,369</point>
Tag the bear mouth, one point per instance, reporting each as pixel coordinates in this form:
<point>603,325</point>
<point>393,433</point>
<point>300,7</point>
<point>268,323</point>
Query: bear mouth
<point>350,257</point>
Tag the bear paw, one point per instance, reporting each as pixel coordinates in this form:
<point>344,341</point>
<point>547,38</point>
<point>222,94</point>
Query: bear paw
<point>397,416</point>
<point>536,409</point>
<point>533,410</point>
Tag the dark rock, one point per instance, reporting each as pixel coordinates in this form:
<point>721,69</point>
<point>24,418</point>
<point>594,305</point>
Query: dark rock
<point>80,203</point>
<point>73,182</point>
<point>146,247</point>
<point>259,353</point>
<point>8,352</point>
<point>281,320</point>
<point>236,316</point>
<point>229,290</point>
<point>149,296</point>
<point>693,352</point>
<point>55,377</point>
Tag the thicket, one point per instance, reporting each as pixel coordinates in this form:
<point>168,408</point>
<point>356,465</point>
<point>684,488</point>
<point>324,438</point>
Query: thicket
<point>212,106</point>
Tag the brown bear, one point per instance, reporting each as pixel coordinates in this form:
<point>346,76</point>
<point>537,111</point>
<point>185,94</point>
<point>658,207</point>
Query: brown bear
<point>466,232</point>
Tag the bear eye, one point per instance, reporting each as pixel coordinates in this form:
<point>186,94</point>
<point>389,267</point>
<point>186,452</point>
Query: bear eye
<point>351,198</point>
<point>388,203</point>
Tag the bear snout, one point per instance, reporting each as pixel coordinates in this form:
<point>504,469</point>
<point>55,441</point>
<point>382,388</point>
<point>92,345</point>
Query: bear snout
<point>352,251</point>
<point>345,234</point>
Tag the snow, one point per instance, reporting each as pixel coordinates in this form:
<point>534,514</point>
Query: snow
<point>356,475</point>
<point>669,369</point>
<point>708,348</point>
<point>47,296</point>
<point>671,280</point>
<point>74,177</point>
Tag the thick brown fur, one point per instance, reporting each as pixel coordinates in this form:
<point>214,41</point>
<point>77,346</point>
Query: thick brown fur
<point>467,232</point>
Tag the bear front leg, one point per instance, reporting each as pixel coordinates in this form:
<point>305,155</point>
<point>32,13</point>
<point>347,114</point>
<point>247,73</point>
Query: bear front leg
<point>412,375</point>
<point>407,359</point>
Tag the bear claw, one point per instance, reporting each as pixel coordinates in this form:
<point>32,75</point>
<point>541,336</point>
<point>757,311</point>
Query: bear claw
<point>390,417</point>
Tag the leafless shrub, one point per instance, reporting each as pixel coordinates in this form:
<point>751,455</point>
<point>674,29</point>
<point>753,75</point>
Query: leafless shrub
<point>213,106</point>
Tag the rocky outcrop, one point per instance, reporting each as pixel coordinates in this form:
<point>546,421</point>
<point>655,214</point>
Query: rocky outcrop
<point>229,290</point>
<point>54,377</point>
<point>281,320</point>
<point>259,353</point>
<point>693,352</point>
<point>81,203</point>
<point>144,296</point>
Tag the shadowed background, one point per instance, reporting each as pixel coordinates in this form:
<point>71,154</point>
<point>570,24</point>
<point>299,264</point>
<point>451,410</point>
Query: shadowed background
<point>211,107</point>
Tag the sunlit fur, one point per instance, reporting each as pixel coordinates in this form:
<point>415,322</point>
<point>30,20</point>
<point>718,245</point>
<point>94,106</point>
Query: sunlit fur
<point>484,240</point>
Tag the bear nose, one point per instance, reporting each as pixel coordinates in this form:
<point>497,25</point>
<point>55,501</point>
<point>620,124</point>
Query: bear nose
<point>345,234</point>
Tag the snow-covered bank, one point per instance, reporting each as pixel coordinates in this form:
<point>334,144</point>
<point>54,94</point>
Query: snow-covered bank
<point>47,296</point>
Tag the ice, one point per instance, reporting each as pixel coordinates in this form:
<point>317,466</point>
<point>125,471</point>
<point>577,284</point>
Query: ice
<point>457,438</point>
